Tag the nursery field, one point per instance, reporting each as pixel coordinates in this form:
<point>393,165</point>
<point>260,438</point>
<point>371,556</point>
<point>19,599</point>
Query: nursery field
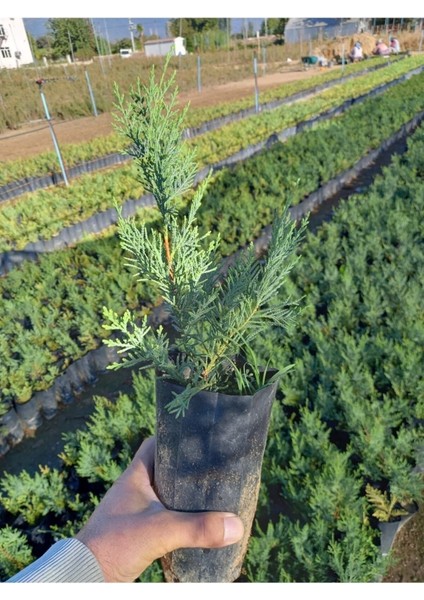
<point>345,448</point>
<point>20,95</point>
<point>33,139</point>
<point>49,210</point>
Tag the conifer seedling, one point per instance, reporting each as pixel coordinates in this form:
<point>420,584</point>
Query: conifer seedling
<point>214,316</point>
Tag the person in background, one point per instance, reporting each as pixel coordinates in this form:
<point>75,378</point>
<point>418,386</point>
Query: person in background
<point>356,52</point>
<point>394,45</point>
<point>381,49</point>
<point>128,530</point>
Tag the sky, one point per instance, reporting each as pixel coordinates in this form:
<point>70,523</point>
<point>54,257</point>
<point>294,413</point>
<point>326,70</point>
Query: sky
<point>110,23</point>
<point>217,8</point>
<point>118,28</point>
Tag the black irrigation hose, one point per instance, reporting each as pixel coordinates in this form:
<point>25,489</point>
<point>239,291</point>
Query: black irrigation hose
<point>21,420</point>
<point>32,184</point>
<point>102,220</point>
<point>24,419</point>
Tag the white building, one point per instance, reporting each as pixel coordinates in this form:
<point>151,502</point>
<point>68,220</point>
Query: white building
<point>14,45</point>
<point>163,46</point>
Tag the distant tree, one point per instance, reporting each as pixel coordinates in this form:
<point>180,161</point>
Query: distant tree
<point>122,43</point>
<point>35,51</point>
<point>223,24</point>
<point>191,28</point>
<point>44,42</point>
<point>274,27</point>
<point>41,47</point>
<point>72,36</point>
<point>153,36</point>
<point>102,46</point>
<point>140,38</point>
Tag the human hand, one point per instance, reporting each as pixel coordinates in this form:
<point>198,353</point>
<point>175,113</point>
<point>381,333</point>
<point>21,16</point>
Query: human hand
<point>131,528</point>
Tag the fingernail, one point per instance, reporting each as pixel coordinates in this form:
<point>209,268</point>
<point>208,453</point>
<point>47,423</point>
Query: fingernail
<point>233,530</point>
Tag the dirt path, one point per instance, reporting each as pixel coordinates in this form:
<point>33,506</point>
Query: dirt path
<point>36,138</point>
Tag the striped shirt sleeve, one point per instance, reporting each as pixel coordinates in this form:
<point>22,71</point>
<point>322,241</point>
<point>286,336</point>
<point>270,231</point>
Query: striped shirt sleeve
<point>67,561</point>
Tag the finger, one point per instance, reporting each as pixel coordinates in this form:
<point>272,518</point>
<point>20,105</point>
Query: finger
<point>137,479</point>
<point>146,454</point>
<point>142,464</point>
<point>200,530</point>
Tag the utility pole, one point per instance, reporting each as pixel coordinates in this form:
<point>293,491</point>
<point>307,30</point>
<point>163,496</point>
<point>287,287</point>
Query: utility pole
<point>263,60</point>
<point>227,22</point>
<point>97,47</point>
<point>71,47</point>
<point>255,73</point>
<point>132,28</point>
<point>109,49</point>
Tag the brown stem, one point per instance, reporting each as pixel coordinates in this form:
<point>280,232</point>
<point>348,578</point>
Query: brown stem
<point>168,257</point>
<point>18,564</point>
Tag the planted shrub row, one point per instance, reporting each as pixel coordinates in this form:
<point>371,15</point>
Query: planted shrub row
<point>30,219</point>
<point>56,307</point>
<point>246,195</point>
<point>348,436</point>
<point>198,121</point>
<point>51,310</point>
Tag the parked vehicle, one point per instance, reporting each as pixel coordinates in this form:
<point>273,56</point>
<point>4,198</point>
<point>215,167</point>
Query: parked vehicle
<point>125,52</point>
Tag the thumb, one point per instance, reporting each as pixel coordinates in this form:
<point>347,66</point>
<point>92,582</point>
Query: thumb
<point>201,530</point>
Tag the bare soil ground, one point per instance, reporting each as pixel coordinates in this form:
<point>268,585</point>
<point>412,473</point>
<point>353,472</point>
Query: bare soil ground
<point>408,552</point>
<point>36,138</point>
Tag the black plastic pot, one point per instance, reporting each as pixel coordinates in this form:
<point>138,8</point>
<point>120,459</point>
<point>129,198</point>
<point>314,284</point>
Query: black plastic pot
<point>11,430</point>
<point>29,415</point>
<point>84,370</point>
<point>389,531</point>
<point>47,402</point>
<point>211,460</point>
<point>74,377</point>
<point>63,389</point>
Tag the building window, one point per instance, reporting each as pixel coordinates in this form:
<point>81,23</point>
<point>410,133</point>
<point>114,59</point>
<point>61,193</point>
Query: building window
<point>6,53</point>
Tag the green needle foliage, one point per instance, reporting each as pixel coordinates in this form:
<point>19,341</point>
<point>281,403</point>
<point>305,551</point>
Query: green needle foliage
<point>214,315</point>
<point>385,508</point>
